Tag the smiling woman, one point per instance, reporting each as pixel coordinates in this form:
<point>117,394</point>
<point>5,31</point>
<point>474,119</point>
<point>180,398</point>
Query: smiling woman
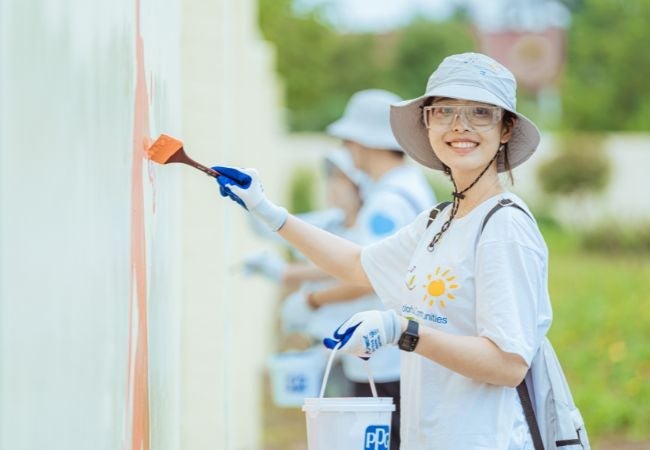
<point>470,331</point>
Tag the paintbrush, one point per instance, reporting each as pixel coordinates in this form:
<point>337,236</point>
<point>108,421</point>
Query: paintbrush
<point>167,149</point>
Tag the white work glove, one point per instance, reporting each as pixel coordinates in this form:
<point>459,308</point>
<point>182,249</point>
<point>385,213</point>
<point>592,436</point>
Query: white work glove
<point>366,332</point>
<point>265,263</point>
<point>244,187</point>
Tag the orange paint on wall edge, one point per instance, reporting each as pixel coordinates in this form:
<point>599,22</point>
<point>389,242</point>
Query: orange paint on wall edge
<point>138,352</point>
<point>151,173</point>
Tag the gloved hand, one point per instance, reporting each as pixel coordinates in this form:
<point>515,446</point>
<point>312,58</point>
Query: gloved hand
<point>244,187</point>
<point>366,332</point>
<point>265,263</point>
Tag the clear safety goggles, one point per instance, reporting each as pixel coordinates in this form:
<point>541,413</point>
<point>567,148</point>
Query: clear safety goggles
<point>473,117</point>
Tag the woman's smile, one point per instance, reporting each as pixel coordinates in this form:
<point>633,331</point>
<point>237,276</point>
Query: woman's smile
<point>462,146</point>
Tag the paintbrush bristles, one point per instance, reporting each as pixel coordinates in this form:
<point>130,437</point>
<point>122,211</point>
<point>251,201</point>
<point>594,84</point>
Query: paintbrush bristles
<point>163,148</point>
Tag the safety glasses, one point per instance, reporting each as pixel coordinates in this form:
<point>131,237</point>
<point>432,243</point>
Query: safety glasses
<point>473,117</point>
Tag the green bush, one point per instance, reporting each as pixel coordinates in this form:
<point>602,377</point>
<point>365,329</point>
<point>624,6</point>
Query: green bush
<point>302,190</point>
<point>614,238</point>
<point>545,219</point>
<point>579,168</point>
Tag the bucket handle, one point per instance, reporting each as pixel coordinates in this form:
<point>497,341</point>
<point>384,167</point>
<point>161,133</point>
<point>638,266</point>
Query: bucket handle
<point>373,388</point>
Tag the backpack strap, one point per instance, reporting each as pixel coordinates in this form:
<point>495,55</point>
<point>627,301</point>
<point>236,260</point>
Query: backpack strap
<point>522,389</point>
<point>529,412</point>
<point>435,211</point>
<point>565,442</point>
<point>501,204</point>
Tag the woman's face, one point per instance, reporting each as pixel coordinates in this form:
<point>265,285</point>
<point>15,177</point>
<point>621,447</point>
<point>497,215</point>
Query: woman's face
<point>342,193</point>
<point>468,142</point>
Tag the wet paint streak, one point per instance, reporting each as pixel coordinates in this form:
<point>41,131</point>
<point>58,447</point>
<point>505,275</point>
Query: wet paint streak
<point>138,365</point>
<point>151,172</point>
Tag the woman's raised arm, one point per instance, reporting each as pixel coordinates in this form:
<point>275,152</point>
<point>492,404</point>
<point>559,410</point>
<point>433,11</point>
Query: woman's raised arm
<point>336,256</point>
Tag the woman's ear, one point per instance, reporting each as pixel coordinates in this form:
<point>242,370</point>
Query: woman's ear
<point>506,130</point>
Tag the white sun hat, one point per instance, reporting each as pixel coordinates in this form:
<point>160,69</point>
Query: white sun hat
<point>468,76</point>
<point>366,120</point>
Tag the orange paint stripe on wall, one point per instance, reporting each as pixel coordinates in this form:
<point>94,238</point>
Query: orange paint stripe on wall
<point>138,352</point>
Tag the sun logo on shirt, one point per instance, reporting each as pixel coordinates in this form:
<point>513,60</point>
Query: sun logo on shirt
<point>438,287</point>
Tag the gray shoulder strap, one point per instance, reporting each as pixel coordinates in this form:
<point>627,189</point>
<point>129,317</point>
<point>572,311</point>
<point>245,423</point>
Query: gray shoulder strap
<point>502,203</point>
<point>436,210</point>
<point>522,389</point>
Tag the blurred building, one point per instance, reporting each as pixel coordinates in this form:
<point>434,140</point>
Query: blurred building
<point>528,37</point>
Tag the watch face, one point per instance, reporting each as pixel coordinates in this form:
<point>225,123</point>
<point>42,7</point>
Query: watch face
<point>408,342</point>
<point>409,339</point>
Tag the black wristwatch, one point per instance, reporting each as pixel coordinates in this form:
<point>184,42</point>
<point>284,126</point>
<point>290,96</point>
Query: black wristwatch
<point>409,339</point>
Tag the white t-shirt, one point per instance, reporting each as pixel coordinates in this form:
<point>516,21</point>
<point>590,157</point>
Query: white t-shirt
<point>491,284</point>
<point>391,203</point>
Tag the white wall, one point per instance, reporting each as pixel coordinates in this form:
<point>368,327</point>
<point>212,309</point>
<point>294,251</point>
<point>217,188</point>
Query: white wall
<point>230,104</point>
<point>67,73</point>
<point>623,200</point>
<point>121,322</point>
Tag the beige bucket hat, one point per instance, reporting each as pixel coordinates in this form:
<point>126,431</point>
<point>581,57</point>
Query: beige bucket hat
<point>467,76</point>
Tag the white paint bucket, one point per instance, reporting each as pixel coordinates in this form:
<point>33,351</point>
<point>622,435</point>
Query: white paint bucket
<point>296,375</point>
<point>348,423</point>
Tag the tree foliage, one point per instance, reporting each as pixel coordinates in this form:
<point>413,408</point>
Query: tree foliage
<point>322,68</point>
<point>420,48</point>
<point>606,85</point>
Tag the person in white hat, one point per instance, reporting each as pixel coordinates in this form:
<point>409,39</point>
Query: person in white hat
<point>399,191</point>
<point>345,185</point>
<point>344,188</point>
<point>468,298</point>
<point>300,323</point>
<point>397,194</point>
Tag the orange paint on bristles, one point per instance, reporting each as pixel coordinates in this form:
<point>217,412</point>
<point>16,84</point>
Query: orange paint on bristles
<point>167,149</point>
<point>163,148</point>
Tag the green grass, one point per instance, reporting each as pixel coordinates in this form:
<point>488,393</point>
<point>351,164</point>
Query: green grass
<point>601,332</point>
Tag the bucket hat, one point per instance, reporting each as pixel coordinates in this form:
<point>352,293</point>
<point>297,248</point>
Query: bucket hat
<point>467,76</point>
<point>366,120</point>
